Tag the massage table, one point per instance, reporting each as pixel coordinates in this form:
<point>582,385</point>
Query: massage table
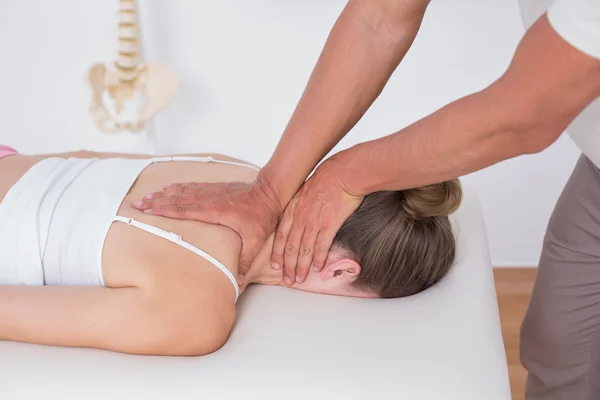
<point>444,343</point>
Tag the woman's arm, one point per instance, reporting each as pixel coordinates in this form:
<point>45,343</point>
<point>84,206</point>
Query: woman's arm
<point>127,320</point>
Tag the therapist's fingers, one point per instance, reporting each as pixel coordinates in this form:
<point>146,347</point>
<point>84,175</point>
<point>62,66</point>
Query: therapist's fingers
<point>323,243</point>
<point>208,213</point>
<point>290,257</point>
<point>310,218</point>
<point>181,195</point>
<point>281,236</point>
<point>148,201</point>
<point>178,189</point>
<point>172,200</point>
<point>305,253</point>
<point>187,184</point>
<point>204,191</point>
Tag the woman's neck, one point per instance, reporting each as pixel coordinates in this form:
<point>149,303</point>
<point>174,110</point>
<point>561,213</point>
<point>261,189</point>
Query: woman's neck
<point>261,271</point>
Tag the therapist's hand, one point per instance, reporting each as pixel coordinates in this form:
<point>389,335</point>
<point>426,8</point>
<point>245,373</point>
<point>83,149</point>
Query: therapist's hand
<point>311,221</point>
<point>250,209</point>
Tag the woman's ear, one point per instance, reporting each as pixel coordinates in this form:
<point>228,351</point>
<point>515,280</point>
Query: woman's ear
<point>342,268</point>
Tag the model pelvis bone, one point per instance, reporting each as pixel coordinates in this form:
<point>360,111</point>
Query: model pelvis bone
<point>156,83</point>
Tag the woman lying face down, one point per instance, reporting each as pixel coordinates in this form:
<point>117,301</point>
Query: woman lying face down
<point>80,267</point>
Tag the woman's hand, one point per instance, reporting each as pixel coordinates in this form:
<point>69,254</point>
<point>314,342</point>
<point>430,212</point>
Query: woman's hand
<point>311,221</point>
<point>250,209</point>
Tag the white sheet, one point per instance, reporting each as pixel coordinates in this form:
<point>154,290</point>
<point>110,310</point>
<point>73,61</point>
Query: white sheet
<point>442,344</point>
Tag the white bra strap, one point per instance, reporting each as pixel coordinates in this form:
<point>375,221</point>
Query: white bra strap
<point>203,160</point>
<point>175,238</point>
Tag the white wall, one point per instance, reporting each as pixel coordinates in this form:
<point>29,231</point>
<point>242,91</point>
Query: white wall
<point>243,66</point>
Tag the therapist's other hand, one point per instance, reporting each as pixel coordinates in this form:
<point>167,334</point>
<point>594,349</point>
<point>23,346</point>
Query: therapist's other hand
<point>250,209</point>
<point>311,221</point>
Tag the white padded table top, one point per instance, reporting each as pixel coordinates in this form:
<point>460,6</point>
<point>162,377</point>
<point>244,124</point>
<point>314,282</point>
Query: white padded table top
<point>444,343</point>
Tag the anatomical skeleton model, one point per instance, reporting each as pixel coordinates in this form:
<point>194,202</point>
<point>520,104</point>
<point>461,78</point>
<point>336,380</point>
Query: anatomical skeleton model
<point>129,80</point>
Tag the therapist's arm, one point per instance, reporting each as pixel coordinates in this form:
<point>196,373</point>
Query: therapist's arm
<point>365,46</point>
<point>548,83</point>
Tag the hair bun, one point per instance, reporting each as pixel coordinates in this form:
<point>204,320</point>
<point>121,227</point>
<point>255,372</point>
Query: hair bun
<point>437,200</point>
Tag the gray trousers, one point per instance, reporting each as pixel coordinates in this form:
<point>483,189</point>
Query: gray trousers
<point>560,335</point>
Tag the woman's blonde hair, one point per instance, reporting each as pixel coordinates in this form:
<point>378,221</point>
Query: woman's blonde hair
<point>403,240</point>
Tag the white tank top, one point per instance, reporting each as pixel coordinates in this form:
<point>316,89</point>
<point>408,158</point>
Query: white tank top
<point>55,219</point>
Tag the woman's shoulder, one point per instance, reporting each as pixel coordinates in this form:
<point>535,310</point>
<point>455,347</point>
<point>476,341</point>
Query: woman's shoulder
<point>200,300</point>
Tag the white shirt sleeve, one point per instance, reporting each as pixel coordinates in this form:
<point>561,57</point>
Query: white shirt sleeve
<point>578,22</point>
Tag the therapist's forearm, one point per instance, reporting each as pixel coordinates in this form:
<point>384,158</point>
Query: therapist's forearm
<point>460,138</point>
<point>365,46</point>
<point>547,85</point>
